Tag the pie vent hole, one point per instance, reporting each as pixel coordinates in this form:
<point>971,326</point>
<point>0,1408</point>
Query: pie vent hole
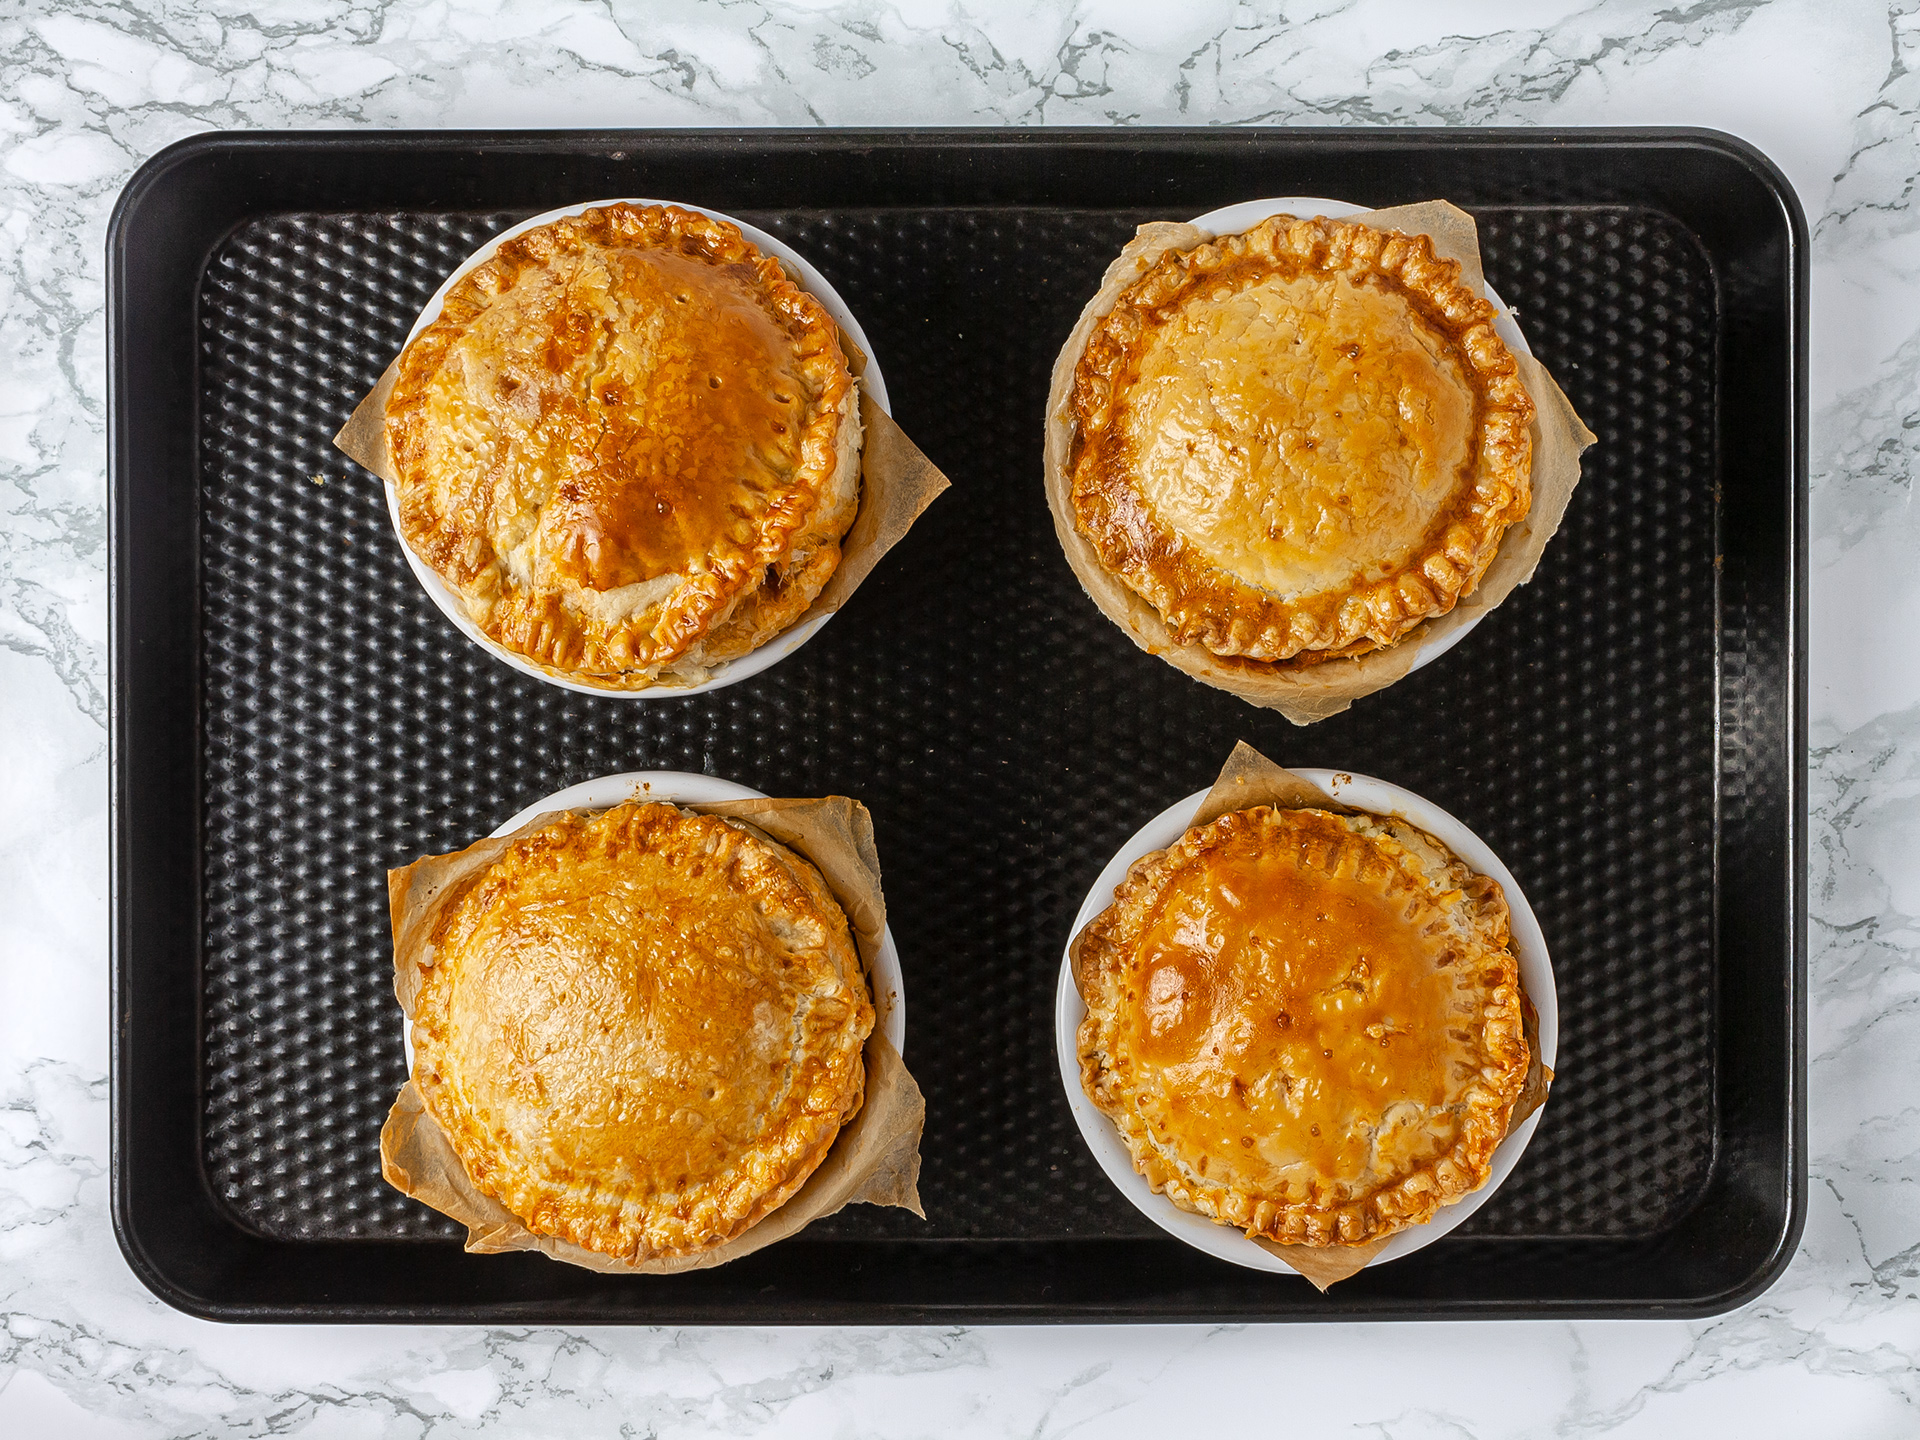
<point>713,381</point>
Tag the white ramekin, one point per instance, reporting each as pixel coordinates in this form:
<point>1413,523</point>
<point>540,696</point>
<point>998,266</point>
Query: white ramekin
<point>1359,792</point>
<point>730,672</point>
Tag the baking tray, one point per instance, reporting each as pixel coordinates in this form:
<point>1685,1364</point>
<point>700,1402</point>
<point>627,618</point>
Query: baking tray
<point>291,716</point>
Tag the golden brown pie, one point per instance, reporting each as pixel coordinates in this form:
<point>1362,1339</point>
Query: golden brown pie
<point>642,1030</point>
<point>630,444</point>
<point>1299,442</point>
<point>1305,1025</point>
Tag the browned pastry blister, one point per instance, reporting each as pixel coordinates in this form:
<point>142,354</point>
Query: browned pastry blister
<point>1305,1025</point>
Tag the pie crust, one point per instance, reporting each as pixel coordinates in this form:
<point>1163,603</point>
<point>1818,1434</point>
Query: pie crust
<point>642,1030</point>
<point>1299,442</point>
<point>1305,1025</point>
<point>630,444</point>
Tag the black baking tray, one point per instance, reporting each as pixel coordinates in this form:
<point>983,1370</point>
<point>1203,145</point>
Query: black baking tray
<point>291,716</point>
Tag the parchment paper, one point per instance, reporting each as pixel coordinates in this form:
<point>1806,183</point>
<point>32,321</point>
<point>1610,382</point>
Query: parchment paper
<point>1249,779</point>
<point>897,481</point>
<point>1316,691</point>
<point>875,1159</point>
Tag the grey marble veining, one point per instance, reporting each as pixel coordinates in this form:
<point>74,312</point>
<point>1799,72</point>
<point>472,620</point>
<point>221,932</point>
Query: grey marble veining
<point>1831,91</point>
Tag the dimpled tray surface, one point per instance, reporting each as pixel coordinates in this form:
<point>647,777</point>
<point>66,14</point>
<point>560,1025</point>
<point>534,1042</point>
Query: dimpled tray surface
<point>1613,731</point>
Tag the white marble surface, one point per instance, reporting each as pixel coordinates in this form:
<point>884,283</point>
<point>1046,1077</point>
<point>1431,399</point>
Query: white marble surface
<point>1831,90</point>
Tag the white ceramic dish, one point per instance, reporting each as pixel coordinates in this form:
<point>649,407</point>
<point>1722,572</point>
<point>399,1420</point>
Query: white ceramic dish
<point>1232,219</point>
<point>1361,792</point>
<point>680,786</point>
<point>733,671</point>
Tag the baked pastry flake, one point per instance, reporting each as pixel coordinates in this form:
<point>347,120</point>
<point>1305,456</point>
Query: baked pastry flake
<point>1304,1025</point>
<point>1300,442</point>
<point>642,1030</point>
<point>630,443</point>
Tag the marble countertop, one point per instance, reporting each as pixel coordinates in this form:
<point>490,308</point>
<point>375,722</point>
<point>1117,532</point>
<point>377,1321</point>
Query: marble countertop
<point>1830,90</point>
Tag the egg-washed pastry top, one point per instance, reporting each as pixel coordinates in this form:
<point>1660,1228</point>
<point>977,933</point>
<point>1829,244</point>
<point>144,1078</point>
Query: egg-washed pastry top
<point>1299,442</point>
<point>630,443</point>
<point>642,1030</point>
<point>1305,1025</point>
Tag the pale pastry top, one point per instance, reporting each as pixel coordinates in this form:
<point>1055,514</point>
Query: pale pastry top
<point>642,1030</point>
<point>1305,1025</point>
<point>630,443</point>
<point>1301,441</point>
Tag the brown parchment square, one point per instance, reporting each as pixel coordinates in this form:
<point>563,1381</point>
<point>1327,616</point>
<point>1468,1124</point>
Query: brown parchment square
<point>897,481</point>
<point>876,1158</point>
<point>1316,691</point>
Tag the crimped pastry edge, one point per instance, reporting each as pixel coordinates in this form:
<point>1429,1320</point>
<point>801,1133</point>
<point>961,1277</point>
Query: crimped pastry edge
<point>739,616</point>
<point>1099,951</point>
<point>530,1200</point>
<point>1206,605</point>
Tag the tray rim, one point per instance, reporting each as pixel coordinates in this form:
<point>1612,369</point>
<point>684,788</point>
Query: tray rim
<point>150,188</point>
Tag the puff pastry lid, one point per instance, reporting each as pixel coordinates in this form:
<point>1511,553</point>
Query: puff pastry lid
<point>1305,1025</point>
<point>630,443</point>
<point>642,1030</point>
<point>1299,442</point>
